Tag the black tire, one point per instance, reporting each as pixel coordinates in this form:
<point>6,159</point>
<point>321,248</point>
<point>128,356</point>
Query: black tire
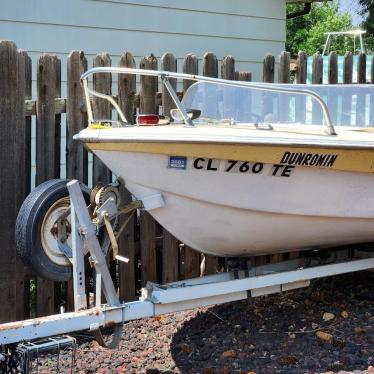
<point>28,229</point>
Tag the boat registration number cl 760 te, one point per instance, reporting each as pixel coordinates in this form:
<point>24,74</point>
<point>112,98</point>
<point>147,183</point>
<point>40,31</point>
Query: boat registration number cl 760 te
<point>244,167</point>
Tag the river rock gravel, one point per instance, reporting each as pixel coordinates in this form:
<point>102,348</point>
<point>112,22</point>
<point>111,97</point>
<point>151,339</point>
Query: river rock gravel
<point>326,328</point>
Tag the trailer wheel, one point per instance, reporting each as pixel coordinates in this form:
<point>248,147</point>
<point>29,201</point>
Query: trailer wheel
<point>37,233</point>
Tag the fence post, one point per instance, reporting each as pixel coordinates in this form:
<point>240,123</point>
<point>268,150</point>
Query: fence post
<point>333,68</point>
<point>361,79</point>
<point>228,68</point>
<point>333,79</point>
<point>190,266</point>
<point>127,87</point>
<point>228,72</point>
<point>76,118</point>
<point>47,156</point>
<point>284,67</point>
<point>170,244</point>
<point>58,120</point>
<point>192,260</point>
<point>190,66</point>
<point>317,69</point>
<point>301,71</point>
<point>126,242</point>
<point>348,68</point>
<point>170,257</point>
<point>268,77</point>
<point>284,103</point>
<point>101,109</point>
<point>347,79</point>
<point>268,69</point>
<point>210,69</point>
<point>27,175</point>
<point>11,122</point>
<point>300,78</point>
<point>168,63</point>
<point>210,65</point>
<point>284,77</point>
<point>20,190</point>
<point>317,78</point>
<point>148,92</point>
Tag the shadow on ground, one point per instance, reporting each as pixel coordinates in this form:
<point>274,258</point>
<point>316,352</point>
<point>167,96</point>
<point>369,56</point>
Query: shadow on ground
<point>278,333</point>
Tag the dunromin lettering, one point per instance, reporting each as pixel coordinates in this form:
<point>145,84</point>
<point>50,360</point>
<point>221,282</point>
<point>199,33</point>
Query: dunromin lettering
<point>308,159</point>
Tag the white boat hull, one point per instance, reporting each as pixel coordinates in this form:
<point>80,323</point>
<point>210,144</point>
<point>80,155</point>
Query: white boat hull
<point>252,212</point>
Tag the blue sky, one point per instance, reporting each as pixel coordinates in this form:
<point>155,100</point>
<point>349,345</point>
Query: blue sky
<point>351,7</point>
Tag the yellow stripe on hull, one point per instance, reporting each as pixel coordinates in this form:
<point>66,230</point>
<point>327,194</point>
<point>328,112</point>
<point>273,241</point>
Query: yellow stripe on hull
<point>347,159</point>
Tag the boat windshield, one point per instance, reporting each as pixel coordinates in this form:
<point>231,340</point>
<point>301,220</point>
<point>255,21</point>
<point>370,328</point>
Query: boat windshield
<point>348,105</point>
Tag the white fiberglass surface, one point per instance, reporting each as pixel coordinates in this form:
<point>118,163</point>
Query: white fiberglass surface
<point>348,105</point>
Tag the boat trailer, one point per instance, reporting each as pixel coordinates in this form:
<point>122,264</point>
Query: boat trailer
<point>159,299</point>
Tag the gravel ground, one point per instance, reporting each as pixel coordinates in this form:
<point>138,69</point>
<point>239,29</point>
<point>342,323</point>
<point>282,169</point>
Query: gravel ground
<point>326,328</point>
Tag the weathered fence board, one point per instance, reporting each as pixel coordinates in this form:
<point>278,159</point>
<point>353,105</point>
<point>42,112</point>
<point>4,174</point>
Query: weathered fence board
<point>333,79</point>
<point>101,109</point>
<point>284,77</point>
<point>11,116</point>
<point>317,78</point>
<point>148,89</point>
<point>27,184</point>
<point>190,259</point>
<point>127,87</point>
<point>170,257</point>
<point>347,79</point>
<point>300,78</point>
<point>210,69</point>
<point>190,66</point>
<point>126,242</point>
<point>47,156</point>
<point>168,63</point>
<point>361,78</point>
<point>76,118</point>
<point>170,244</point>
<point>20,189</point>
<point>268,69</point>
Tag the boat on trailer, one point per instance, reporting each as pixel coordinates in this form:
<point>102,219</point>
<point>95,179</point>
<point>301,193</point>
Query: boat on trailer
<point>245,178</point>
<point>240,169</point>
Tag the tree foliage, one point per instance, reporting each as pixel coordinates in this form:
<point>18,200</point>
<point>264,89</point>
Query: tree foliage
<point>367,11</point>
<point>307,33</point>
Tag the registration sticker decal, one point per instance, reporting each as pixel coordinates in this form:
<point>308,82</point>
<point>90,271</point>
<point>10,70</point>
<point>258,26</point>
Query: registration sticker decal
<point>177,162</point>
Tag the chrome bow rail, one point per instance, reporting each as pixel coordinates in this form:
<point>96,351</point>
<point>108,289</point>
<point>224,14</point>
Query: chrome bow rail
<point>166,75</point>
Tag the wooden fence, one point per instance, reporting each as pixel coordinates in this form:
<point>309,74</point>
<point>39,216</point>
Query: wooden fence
<point>155,255</point>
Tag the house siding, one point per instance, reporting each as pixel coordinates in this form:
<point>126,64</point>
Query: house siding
<point>142,27</point>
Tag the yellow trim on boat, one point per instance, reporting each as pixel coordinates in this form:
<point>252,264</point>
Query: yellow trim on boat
<point>345,160</point>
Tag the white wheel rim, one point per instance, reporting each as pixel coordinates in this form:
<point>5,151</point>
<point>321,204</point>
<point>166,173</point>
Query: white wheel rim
<point>49,239</point>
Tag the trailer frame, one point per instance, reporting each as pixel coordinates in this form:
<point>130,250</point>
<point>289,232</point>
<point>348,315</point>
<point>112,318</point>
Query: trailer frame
<point>160,299</point>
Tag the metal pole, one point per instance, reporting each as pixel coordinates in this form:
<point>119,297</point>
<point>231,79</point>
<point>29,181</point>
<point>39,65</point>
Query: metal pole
<point>187,120</point>
<point>79,284</point>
